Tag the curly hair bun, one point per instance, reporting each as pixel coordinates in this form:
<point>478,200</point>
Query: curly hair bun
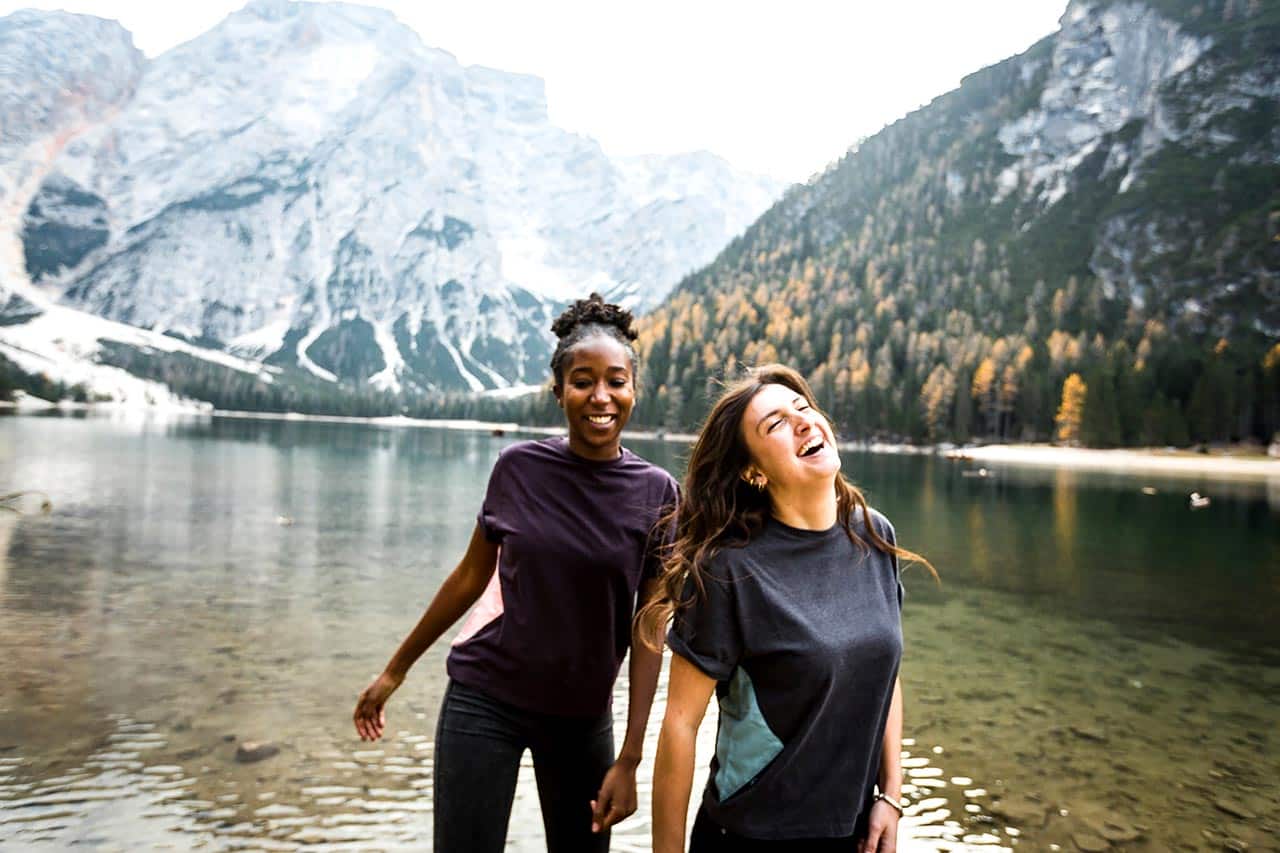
<point>594,311</point>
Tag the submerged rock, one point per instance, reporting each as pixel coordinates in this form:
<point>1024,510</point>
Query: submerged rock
<point>1088,843</point>
<point>1234,808</point>
<point>1089,733</point>
<point>251,751</point>
<point>1120,833</point>
<point>1022,811</point>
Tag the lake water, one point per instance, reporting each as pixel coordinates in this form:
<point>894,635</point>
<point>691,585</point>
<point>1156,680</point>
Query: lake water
<point>1099,667</point>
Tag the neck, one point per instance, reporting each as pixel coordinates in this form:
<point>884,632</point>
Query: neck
<point>806,508</point>
<point>609,451</point>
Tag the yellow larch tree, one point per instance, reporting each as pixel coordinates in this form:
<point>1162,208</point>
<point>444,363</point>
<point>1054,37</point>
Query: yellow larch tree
<point>1071,411</point>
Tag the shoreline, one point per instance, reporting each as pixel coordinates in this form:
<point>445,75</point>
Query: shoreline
<point>1122,460</point>
<point>1134,461</point>
<point>462,424</point>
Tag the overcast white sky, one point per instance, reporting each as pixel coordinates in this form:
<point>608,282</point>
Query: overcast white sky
<point>775,87</point>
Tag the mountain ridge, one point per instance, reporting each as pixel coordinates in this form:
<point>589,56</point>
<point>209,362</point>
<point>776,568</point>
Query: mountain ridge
<point>312,185</point>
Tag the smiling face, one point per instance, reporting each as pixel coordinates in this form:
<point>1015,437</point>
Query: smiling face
<point>597,393</point>
<point>790,443</point>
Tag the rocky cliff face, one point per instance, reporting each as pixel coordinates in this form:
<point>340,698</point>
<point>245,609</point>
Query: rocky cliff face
<point>60,75</point>
<point>1142,106</point>
<point>311,186</point>
<point>1105,70</point>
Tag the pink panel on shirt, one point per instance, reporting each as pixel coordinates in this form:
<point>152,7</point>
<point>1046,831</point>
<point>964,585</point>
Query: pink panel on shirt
<point>488,608</point>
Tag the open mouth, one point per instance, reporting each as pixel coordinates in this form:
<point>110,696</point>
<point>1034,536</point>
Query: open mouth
<point>602,420</point>
<point>812,446</point>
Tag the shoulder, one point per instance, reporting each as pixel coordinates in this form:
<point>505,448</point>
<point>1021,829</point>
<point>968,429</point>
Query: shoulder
<point>540,448</point>
<point>524,461</point>
<point>659,481</point>
<point>530,451</point>
<point>732,564</point>
<point>878,522</point>
<point>882,525</point>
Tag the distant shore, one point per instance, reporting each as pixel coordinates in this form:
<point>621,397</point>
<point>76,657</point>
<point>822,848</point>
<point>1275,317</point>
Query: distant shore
<point>1167,461</point>
<point>1128,460</point>
<point>491,427</point>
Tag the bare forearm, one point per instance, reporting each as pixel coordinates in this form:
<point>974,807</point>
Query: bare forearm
<point>891,750</point>
<point>642,675</point>
<point>672,786</point>
<point>458,592</point>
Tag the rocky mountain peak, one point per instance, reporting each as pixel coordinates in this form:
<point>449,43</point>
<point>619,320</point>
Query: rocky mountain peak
<point>60,75</point>
<point>312,185</point>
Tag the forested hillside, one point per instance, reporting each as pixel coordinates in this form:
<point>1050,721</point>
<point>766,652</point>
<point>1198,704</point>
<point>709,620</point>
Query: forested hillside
<point>1105,206</point>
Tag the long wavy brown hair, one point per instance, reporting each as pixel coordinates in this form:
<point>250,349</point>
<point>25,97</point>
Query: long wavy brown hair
<point>718,509</point>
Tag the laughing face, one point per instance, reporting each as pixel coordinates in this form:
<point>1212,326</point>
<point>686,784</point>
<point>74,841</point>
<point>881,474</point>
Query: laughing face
<point>790,443</point>
<point>597,395</point>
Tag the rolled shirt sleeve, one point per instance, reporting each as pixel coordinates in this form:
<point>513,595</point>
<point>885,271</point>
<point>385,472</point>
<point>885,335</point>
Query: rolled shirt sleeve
<point>708,632</point>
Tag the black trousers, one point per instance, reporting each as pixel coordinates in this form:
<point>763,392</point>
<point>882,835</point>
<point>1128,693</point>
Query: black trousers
<point>479,743</point>
<point>707,837</point>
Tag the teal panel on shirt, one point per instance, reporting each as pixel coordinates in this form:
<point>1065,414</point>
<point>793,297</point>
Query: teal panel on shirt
<point>744,744</point>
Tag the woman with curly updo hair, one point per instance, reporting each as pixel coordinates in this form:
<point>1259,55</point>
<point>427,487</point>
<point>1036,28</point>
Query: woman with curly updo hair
<point>781,588</point>
<point>561,552</point>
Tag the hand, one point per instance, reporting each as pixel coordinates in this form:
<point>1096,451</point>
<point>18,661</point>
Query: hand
<point>370,718</point>
<point>617,797</point>
<point>882,835</point>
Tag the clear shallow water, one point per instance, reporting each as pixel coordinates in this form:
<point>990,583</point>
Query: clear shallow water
<point>1098,662</point>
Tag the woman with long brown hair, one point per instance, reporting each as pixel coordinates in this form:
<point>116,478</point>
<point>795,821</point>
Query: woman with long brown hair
<point>782,591</point>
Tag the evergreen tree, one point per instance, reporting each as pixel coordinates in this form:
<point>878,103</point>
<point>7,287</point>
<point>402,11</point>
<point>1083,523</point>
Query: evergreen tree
<point>1100,421</point>
<point>1270,393</point>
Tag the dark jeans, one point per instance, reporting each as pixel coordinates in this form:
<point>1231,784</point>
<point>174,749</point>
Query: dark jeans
<point>707,837</point>
<point>479,742</point>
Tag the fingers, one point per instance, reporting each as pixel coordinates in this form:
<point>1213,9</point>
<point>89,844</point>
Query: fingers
<point>605,815</point>
<point>601,810</point>
<point>872,842</point>
<point>370,719</point>
<point>610,807</point>
<point>603,803</point>
<point>607,811</point>
<point>616,800</point>
<point>615,815</point>
<point>364,726</point>
<point>889,839</point>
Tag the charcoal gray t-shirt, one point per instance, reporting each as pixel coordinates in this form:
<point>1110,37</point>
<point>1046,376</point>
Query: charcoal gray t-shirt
<point>575,541</point>
<point>802,631</point>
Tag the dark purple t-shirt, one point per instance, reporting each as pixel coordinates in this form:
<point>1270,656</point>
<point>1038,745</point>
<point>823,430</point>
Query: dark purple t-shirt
<point>576,537</point>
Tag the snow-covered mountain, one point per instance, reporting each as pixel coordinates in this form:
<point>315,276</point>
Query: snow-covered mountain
<point>309,185</point>
<point>60,75</point>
